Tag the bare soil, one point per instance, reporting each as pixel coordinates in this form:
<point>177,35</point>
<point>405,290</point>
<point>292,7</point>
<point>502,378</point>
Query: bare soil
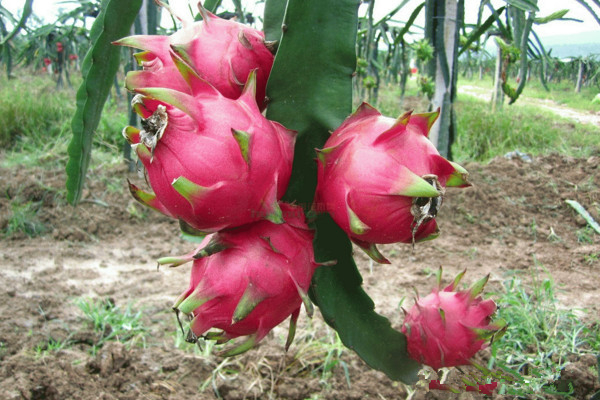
<point>513,219</point>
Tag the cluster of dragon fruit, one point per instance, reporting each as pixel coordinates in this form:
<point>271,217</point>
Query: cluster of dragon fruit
<point>220,167</point>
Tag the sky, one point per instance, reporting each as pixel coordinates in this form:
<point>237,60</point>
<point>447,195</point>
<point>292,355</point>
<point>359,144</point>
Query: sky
<point>48,9</point>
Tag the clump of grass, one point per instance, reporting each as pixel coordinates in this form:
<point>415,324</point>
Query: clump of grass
<point>35,125</point>
<point>35,110</point>
<point>320,354</point>
<point>23,218</point>
<point>585,235</point>
<point>52,345</point>
<point>391,104</point>
<point>112,323</point>
<point>539,338</point>
<point>483,134</point>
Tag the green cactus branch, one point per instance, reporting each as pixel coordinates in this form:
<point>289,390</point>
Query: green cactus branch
<point>99,67</point>
<point>524,46</point>
<point>27,9</point>
<point>310,91</point>
<point>273,18</point>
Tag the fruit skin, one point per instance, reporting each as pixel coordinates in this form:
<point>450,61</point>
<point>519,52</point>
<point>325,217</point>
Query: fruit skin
<point>250,279</point>
<point>222,52</point>
<point>448,327</point>
<point>212,162</point>
<point>382,180</point>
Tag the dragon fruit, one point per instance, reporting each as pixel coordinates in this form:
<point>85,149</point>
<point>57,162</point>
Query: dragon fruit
<point>382,180</point>
<point>222,52</point>
<point>247,280</point>
<point>447,327</point>
<point>212,162</point>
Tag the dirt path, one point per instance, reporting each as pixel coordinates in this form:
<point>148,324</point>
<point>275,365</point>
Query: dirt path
<point>563,111</point>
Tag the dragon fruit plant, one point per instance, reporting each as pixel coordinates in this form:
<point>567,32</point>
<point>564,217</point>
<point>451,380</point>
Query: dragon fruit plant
<point>247,280</point>
<point>382,180</point>
<point>222,167</point>
<point>220,51</point>
<point>448,327</point>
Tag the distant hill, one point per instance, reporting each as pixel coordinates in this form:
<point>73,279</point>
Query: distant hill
<point>574,45</point>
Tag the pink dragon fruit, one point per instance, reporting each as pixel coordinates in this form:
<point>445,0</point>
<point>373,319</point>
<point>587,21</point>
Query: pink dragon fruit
<point>247,280</point>
<point>446,328</point>
<point>212,162</point>
<point>222,52</point>
<point>382,180</point>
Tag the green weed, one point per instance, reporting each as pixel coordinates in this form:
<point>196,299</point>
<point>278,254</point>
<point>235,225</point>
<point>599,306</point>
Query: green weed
<point>51,346</point>
<point>585,235</point>
<point>112,323</point>
<point>534,230</point>
<point>226,370</point>
<point>539,337</point>
<point>23,218</point>
<point>320,355</point>
<point>483,134</point>
<point>33,109</point>
<point>553,237</point>
<point>391,104</point>
<point>3,350</point>
<point>592,258</point>
<point>35,123</point>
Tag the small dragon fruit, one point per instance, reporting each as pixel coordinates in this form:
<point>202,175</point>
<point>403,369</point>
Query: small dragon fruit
<point>222,52</point>
<point>212,162</point>
<point>382,180</point>
<point>247,280</point>
<point>446,328</point>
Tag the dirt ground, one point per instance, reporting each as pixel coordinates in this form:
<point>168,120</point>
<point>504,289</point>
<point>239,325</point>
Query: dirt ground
<point>512,219</point>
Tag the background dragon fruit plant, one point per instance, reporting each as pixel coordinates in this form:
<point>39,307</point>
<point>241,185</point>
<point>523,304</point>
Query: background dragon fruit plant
<point>197,92</point>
